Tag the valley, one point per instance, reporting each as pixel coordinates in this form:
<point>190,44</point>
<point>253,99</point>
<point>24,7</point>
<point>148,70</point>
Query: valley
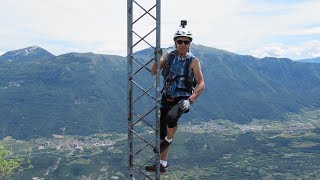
<point>218,149</point>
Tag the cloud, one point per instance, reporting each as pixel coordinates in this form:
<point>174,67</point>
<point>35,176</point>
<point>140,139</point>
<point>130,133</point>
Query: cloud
<point>78,25</point>
<point>269,28</point>
<point>305,31</point>
<point>310,49</point>
<point>100,26</point>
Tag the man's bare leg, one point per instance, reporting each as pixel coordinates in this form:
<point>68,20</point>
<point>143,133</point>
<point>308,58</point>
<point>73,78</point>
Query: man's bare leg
<point>170,135</point>
<point>171,132</point>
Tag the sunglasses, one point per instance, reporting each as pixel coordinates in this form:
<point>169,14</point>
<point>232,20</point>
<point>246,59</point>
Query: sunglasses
<point>181,41</point>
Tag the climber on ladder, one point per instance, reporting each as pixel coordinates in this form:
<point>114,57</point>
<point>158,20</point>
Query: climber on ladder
<point>183,84</point>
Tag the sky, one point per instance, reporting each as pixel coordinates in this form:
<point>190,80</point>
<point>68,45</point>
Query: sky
<point>277,28</point>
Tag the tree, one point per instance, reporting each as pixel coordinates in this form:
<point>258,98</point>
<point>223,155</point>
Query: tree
<point>13,164</point>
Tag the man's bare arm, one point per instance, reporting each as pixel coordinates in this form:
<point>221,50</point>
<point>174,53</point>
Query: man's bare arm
<point>196,67</point>
<point>162,63</point>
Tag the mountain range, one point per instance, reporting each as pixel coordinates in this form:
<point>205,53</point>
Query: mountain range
<point>84,93</point>
<point>311,60</point>
<point>26,54</point>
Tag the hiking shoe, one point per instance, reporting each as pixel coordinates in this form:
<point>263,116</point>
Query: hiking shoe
<point>153,168</point>
<point>163,146</point>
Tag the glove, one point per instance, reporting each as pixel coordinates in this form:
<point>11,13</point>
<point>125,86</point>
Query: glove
<point>184,105</point>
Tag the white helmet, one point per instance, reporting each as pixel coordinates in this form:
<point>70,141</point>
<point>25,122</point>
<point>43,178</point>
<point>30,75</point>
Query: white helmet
<point>182,31</point>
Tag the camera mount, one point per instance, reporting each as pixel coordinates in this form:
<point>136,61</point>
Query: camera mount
<point>183,23</point>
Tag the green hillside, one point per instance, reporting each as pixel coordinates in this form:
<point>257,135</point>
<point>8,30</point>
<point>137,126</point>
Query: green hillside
<point>241,88</point>
<point>86,93</point>
<point>70,94</point>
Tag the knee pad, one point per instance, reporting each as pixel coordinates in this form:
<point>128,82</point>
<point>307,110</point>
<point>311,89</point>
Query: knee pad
<point>173,116</point>
<point>163,132</point>
<point>171,122</point>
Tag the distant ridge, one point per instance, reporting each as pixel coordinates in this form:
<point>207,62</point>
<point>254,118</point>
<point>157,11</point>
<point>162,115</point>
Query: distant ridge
<point>311,60</point>
<point>28,53</point>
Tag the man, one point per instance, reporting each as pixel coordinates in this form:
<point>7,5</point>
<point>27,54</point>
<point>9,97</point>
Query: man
<point>179,68</point>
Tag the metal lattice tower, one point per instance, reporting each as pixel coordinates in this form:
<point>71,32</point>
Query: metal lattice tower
<point>143,88</point>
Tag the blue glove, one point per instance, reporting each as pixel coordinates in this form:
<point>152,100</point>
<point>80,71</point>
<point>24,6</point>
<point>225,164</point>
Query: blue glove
<point>184,105</point>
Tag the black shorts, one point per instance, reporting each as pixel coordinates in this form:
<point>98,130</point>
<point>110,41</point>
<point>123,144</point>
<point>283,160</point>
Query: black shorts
<point>165,108</point>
